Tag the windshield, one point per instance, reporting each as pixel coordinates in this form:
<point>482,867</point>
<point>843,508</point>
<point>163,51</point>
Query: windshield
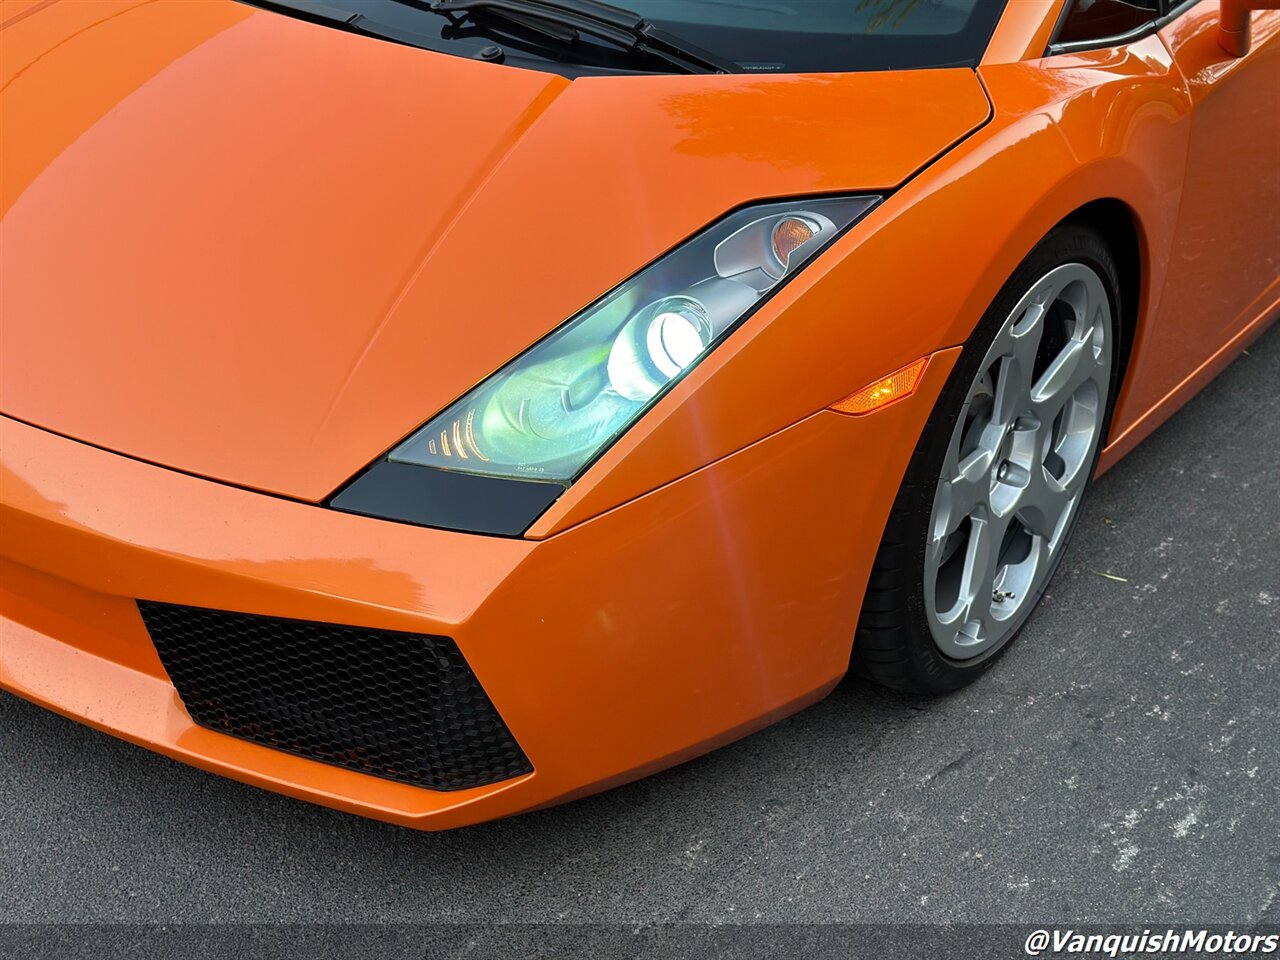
<point>820,36</point>
<point>752,36</point>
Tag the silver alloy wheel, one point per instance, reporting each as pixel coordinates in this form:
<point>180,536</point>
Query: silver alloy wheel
<point>1017,463</point>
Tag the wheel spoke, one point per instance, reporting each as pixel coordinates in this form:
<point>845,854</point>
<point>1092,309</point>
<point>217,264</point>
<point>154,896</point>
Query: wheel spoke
<point>1073,447</point>
<point>1026,334</point>
<point>978,561</point>
<point>1075,366</point>
<point>1018,348</point>
<point>964,486</point>
<point>1013,371</point>
<point>1013,393</point>
<point>1043,504</point>
<point>982,567</point>
<point>974,602</point>
<point>972,483</point>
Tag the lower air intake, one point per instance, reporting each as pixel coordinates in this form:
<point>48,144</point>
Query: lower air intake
<point>395,705</point>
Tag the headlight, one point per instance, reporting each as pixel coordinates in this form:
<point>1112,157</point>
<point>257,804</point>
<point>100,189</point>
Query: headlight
<point>496,459</point>
<point>550,412</point>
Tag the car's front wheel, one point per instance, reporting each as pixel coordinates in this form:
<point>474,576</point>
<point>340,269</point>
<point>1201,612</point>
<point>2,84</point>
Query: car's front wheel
<point>995,485</point>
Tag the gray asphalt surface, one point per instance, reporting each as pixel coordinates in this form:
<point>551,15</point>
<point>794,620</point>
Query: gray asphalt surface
<point>1121,763</point>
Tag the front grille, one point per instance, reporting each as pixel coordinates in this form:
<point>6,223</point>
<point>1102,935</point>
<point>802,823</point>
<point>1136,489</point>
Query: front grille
<point>396,705</point>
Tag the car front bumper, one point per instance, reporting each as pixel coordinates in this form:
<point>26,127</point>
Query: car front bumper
<point>651,633</point>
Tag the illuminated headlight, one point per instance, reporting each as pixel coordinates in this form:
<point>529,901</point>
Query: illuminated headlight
<point>551,411</point>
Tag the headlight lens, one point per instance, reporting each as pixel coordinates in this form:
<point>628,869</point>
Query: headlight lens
<point>551,411</point>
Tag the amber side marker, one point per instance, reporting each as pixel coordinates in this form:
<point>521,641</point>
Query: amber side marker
<point>875,396</point>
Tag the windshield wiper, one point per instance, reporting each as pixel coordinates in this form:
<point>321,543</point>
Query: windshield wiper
<point>316,11</point>
<point>565,19</point>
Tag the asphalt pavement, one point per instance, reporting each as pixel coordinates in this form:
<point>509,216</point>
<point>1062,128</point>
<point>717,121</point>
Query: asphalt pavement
<point>1120,764</point>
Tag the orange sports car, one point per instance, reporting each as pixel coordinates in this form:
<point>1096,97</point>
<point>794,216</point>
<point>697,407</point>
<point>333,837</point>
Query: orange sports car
<point>439,409</point>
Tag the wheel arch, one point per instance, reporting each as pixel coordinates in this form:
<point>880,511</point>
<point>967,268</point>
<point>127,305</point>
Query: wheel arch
<point>1120,227</point>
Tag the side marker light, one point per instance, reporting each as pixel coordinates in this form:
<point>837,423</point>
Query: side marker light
<point>876,396</point>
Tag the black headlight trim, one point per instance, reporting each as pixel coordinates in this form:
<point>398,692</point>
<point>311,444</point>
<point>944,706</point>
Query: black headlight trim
<point>446,499</point>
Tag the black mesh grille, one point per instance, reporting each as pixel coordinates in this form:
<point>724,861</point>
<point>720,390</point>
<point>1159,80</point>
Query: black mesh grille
<point>395,705</point>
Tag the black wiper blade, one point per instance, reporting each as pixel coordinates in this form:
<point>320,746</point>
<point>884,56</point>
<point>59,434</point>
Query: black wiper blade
<point>317,11</point>
<point>622,27</point>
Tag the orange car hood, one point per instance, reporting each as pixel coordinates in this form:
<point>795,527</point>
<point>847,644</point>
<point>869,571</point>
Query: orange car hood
<point>264,251</point>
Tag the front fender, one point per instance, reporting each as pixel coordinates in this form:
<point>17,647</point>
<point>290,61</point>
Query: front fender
<point>919,272</point>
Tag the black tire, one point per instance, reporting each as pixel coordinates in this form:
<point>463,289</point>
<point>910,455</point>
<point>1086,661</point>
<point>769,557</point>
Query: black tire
<point>893,645</point>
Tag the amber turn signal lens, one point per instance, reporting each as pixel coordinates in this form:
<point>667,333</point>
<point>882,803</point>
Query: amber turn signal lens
<point>788,236</point>
<point>896,386</point>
